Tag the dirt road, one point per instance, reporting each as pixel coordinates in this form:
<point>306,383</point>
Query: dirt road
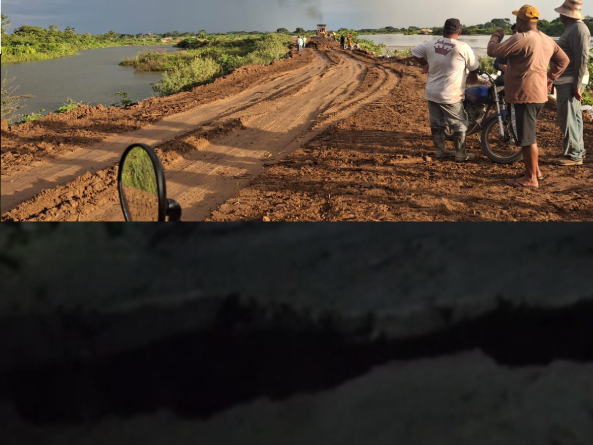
<point>324,135</point>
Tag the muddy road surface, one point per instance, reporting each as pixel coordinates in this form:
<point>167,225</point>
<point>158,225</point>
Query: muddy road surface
<point>324,135</point>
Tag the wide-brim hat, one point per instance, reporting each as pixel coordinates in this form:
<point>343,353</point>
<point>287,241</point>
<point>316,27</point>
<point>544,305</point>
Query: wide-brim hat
<point>572,9</point>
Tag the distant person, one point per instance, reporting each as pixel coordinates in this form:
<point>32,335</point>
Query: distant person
<point>447,60</point>
<point>527,82</point>
<point>304,42</point>
<point>350,42</point>
<point>500,64</point>
<point>343,41</point>
<point>575,42</point>
<point>300,43</point>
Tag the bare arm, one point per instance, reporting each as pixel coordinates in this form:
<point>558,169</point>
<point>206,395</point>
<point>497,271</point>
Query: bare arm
<point>422,61</point>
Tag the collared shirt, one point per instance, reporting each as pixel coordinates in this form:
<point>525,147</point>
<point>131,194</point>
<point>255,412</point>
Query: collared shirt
<point>448,60</point>
<point>528,56</point>
<point>575,42</point>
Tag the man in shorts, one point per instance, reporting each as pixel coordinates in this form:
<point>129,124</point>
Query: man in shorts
<point>527,83</point>
<point>447,60</point>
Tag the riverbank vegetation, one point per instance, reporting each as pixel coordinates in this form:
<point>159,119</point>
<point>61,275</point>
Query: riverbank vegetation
<point>201,60</point>
<point>555,28</point>
<point>30,43</point>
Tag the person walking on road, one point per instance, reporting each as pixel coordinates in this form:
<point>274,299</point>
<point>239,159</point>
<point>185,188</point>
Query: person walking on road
<point>304,42</point>
<point>527,83</point>
<point>300,43</point>
<point>575,42</point>
<point>447,60</point>
<point>343,41</point>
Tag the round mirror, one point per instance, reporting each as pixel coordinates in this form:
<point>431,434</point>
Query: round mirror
<point>141,184</point>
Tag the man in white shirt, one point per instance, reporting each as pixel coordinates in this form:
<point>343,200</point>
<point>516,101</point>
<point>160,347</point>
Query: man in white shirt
<point>448,60</point>
<point>300,43</point>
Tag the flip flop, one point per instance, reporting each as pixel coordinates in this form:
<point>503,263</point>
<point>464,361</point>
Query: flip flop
<point>539,178</point>
<point>517,184</point>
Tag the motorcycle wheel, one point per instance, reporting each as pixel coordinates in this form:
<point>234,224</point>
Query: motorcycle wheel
<point>501,150</point>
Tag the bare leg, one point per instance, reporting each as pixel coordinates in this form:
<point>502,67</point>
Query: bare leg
<point>530,157</point>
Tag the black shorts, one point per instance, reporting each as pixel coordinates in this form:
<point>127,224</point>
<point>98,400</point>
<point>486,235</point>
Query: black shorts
<point>524,120</point>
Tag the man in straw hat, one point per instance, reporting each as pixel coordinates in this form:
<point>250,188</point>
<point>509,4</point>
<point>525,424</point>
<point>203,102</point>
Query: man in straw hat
<point>570,85</point>
<point>527,82</point>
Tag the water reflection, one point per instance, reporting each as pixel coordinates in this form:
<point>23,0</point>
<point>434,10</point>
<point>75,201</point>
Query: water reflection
<point>92,77</point>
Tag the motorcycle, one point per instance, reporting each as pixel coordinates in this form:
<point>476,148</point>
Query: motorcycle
<point>142,188</point>
<point>496,135</point>
<point>141,179</point>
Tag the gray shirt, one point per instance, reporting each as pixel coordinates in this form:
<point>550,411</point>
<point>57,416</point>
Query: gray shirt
<point>575,43</point>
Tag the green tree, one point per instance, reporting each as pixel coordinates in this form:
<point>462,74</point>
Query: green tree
<point>202,34</point>
<point>282,31</point>
<point>299,31</point>
<point>501,23</point>
<point>5,24</point>
<point>53,28</point>
<point>111,35</point>
<point>69,30</point>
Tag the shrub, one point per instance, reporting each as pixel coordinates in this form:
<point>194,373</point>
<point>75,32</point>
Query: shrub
<point>125,100</point>
<point>487,64</point>
<point>268,48</point>
<point>11,102</point>
<point>588,93</point>
<point>230,63</point>
<point>33,116</point>
<point>186,77</point>
<point>71,105</point>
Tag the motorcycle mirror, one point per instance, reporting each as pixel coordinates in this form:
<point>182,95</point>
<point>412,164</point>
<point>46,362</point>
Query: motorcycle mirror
<point>141,185</point>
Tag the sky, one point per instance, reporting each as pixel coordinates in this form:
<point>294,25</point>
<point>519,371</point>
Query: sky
<point>160,16</point>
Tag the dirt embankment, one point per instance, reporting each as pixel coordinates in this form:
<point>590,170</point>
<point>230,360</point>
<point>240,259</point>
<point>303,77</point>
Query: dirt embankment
<point>326,135</point>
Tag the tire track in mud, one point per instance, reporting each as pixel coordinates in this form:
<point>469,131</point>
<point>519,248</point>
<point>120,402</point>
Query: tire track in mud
<point>66,167</point>
<point>204,170</point>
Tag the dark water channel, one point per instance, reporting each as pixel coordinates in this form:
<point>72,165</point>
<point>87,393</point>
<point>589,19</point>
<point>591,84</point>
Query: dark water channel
<point>92,77</point>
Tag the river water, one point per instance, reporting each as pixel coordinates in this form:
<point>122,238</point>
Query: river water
<point>400,41</point>
<point>92,77</point>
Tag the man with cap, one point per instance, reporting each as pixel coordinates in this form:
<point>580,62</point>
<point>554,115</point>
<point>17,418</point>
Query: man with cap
<point>570,85</point>
<point>527,82</point>
<point>500,64</point>
<point>447,60</point>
